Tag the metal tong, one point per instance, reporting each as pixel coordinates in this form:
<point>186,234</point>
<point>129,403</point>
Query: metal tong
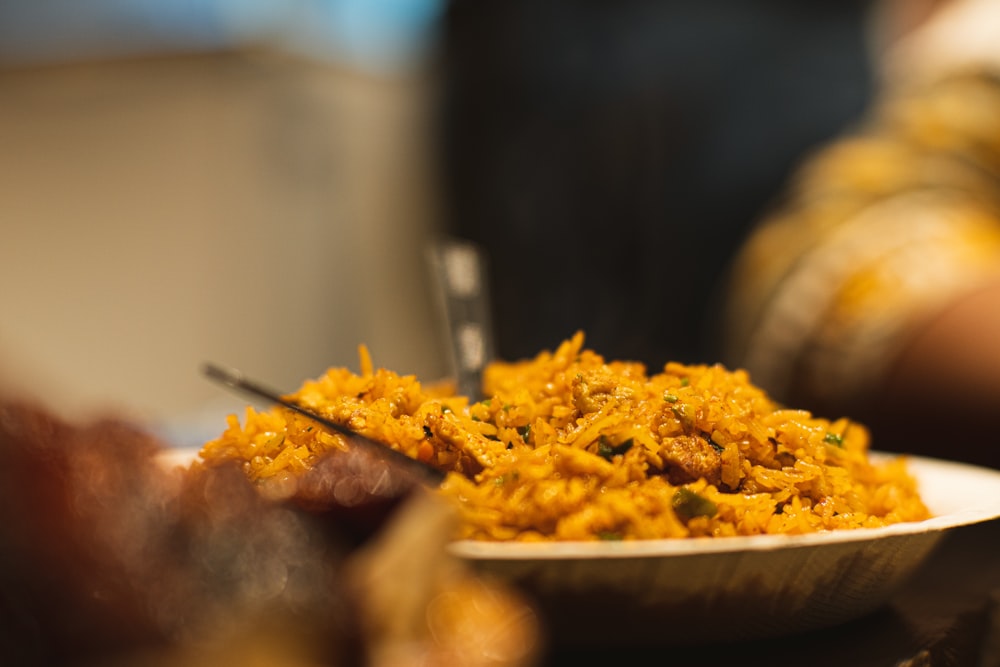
<point>234,379</point>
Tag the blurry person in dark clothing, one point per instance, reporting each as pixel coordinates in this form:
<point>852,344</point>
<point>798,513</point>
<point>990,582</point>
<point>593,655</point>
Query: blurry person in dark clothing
<point>612,156</point>
<point>873,288</point>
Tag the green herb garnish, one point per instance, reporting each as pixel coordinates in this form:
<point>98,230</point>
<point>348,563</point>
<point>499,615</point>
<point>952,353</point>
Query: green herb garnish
<point>607,450</point>
<point>688,504</point>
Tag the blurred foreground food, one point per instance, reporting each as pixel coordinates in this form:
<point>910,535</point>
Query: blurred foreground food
<point>108,556</point>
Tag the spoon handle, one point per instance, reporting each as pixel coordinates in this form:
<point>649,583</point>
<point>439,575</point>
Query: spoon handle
<point>460,270</point>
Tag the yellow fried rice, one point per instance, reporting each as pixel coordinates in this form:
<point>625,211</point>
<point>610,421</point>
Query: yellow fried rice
<point>569,446</point>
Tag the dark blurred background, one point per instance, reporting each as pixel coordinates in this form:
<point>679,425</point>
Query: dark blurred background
<point>612,156</point>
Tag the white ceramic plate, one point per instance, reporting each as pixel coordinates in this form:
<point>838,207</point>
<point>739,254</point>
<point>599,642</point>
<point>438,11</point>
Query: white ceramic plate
<point>738,588</point>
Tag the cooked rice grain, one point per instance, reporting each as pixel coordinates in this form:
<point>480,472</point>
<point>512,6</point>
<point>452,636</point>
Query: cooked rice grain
<point>569,446</point>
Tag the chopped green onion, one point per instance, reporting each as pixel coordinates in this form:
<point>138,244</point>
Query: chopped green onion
<point>688,504</point>
<point>681,412</point>
<point>833,439</point>
<point>669,398</point>
<point>606,450</point>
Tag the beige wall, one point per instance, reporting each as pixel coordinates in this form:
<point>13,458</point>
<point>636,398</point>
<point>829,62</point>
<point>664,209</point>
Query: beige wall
<point>253,210</point>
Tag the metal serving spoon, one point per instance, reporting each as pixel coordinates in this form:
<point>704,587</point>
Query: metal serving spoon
<point>459,268</point>
<point>234,379</point>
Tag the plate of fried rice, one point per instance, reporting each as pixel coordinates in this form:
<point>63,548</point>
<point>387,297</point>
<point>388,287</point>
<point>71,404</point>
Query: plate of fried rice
<point>683,505</point>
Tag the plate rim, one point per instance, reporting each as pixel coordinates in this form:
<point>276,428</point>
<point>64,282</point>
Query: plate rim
<point>923,468</point>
